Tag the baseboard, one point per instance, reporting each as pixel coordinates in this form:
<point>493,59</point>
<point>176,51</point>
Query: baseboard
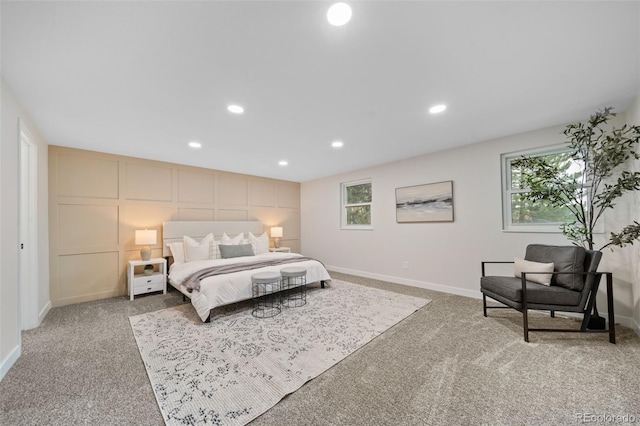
<point>622,320</point>
<point>43,313</point>
<point>414,283</point>
<point>636,327</point>
<point>8,362</point>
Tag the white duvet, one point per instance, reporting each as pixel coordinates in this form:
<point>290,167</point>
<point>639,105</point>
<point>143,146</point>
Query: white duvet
<point>224,289</point>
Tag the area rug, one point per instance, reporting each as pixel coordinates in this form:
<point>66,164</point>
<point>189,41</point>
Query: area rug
<point>236,367</point>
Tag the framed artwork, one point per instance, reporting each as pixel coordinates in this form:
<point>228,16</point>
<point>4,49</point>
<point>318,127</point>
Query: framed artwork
<point>431,202</point>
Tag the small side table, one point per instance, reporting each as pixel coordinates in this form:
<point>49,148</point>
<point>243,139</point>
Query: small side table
<point>294,286</point>
<point>280,249</point>
<point>266,300</point>
<point>147,283</point>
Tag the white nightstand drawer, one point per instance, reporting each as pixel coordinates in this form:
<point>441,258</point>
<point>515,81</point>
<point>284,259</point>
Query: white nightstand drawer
<point>280,249</point>
<point>148,283</point>
<point>141,283</point>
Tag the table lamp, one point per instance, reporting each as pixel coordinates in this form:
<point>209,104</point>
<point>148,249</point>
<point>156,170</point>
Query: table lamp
<point>144,238</point>
<point>276,234</point>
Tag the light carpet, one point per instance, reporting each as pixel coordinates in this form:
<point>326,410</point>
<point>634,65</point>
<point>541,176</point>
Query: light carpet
<point>230,371</point>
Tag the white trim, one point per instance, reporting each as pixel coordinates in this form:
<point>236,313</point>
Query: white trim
<point>28,306</point>
<point>506,191</point>
<point>635,326</point>
<point>414,283</point>
<point>621,320</point>
<point>8,362</point>
<point>344,205</point>
<point>43,313</point>
<point>537,229</point>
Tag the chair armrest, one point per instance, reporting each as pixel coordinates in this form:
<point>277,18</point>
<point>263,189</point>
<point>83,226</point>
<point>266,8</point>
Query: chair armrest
<point>567,273</point>
<point>493,261</point>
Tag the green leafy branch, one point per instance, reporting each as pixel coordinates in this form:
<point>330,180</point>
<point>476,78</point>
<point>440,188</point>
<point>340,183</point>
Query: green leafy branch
<point>603,152</point>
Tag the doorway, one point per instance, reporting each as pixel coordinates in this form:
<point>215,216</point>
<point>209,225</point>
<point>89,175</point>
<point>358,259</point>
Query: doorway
<point>27,231</point>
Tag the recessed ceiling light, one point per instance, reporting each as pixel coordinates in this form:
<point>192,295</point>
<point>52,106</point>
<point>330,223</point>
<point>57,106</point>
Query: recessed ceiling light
<point>283,162</point>
<point>339,14</point>
<point>437,108</point>
<point>337,144</point>
<point>194,144</point>
<point>236,109</point>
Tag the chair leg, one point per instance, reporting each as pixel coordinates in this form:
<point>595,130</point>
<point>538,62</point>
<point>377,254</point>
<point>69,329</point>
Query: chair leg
<point>612,330</point>
<point>525,325</point>
<point>553,314</point>
<point>525,317</point>
<point>484,304</point>
<point>612,318</point>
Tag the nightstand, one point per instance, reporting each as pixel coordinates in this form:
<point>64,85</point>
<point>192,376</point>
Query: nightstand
<point>143,283</point>
<point>280,249</point>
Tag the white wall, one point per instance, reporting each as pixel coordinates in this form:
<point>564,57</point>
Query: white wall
<point>441,256</point>
<point>9,324</point>
<point>633,118</point>
<point>4,343</point>
<point>11,113</point>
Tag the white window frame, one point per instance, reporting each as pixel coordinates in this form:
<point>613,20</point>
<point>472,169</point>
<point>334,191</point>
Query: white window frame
<point>344,205</point>
<point>506,160</point>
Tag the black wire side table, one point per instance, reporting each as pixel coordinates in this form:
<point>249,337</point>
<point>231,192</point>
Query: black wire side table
<point>294,286</point>
<point>266,298</point>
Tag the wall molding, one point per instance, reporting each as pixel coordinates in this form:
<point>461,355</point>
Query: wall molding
<point>43,313</point>
<point>414,283</point>
<point>98,200</point>
<point>8,362</point>
<point>620,320</point>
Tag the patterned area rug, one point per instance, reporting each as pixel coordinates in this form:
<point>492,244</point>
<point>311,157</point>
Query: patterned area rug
<point>235,368</point>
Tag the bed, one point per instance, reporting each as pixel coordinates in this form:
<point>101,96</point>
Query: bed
<point>203,257</point>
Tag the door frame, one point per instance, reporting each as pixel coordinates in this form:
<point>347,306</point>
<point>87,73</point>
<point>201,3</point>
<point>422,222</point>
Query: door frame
<point>28,294</point>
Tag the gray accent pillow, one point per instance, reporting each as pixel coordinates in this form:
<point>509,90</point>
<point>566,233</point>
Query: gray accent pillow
<point>227,251</point>
<point>565,259</point>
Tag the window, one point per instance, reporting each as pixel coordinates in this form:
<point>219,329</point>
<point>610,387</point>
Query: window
<point>356,205</point>
<point>522,214</point>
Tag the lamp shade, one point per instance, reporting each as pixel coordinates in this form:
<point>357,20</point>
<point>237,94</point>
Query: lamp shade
<point>276,232</point>
<point>146,237</point>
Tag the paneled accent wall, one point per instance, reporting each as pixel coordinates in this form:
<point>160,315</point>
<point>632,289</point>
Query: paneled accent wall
<point>97,201</point>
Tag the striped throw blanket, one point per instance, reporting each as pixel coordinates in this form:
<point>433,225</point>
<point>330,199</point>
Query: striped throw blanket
<point>192,282</point>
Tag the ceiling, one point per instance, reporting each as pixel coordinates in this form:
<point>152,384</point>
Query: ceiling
<point>144,78</point>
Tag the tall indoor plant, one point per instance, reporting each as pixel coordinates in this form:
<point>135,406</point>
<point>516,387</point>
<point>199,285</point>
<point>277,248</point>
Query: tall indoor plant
<point>603,154</point>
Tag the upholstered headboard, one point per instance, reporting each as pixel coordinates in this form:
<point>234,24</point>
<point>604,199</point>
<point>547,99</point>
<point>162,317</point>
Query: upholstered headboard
<point>175,230</point>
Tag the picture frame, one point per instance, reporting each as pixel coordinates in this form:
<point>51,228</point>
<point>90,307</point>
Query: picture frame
<point>431,202</point>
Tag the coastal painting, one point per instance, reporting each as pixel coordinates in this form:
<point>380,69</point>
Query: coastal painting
<point>432,202</point>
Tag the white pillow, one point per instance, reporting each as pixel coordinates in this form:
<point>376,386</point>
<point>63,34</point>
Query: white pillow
<point>522,265</point>
<point>260,244</point>
<point>215,250</point>
<point>194,250</point>
<point>177,251</point>
<point>227,240</point>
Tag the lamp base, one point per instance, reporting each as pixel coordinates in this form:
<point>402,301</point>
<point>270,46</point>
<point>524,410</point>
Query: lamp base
<point>276,242</point>
<point>145,253</point>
